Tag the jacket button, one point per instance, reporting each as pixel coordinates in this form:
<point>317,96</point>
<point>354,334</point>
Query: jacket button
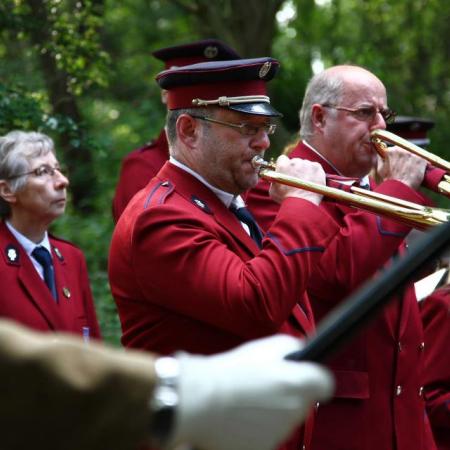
<point>398,390</point>
<point>400,347</point>
<point>421,391</point>
<point>422,346</point>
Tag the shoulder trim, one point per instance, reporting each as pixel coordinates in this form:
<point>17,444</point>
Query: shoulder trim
<point>159,193</point>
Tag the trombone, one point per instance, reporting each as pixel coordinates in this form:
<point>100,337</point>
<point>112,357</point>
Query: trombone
<point>379,139</point>
<point>409,213</point>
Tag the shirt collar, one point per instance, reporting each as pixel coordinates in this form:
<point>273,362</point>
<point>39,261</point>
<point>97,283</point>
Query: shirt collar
<point>364,181</point>
<point>28,245</point>
<point>225,197</point>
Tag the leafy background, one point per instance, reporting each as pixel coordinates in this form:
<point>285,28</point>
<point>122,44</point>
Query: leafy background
<point>82,71</point>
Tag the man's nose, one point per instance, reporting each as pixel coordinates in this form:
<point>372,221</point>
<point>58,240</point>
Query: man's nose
<point>260,140</point>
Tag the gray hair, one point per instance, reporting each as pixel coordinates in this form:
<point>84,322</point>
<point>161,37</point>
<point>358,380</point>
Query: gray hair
<point>17,149</point>
<point>324,88</point>
<point>172,117</point>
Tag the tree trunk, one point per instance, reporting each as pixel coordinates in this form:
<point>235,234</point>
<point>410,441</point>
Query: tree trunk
<point>72,142</point>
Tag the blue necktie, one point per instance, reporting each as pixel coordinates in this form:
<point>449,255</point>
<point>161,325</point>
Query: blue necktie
<point>43,257</point>
<point>245,216</point>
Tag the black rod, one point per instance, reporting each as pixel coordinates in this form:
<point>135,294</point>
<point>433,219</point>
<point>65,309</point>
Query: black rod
<point>344,320</point>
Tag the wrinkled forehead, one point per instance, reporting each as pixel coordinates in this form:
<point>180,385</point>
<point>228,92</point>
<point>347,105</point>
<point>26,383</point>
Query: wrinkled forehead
<point>364,88</point>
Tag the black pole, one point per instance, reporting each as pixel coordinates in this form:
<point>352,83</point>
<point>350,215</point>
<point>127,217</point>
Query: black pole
<point>344,320</point>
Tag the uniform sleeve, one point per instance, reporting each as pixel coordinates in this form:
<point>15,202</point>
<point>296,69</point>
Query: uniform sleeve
<point>70,395</point>
<point>211,282</point>
<point>364,244</point>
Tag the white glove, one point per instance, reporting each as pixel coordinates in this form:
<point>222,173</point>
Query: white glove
<point>247,398</point>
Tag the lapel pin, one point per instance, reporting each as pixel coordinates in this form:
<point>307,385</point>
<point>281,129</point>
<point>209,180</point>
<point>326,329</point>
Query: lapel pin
<point>201,204</point>
<point>58,254</point>
<point>12,254</point>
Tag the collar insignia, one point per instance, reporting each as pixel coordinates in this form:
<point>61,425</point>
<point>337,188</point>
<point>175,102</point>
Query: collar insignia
<point>58,254</point>
<point>12,254</point>
<point>201,204</point>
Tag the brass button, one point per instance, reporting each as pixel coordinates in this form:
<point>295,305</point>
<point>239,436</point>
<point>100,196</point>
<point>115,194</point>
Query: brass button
<point>398,390</point>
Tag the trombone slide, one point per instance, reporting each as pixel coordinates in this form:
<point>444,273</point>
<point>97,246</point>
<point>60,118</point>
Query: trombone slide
<point>412,214</point>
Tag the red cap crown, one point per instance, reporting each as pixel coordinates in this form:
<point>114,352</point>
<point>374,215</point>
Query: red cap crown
<point>239,85</point>
<point>195,52</point>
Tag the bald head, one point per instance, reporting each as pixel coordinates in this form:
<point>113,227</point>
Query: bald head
<point>330,87</point>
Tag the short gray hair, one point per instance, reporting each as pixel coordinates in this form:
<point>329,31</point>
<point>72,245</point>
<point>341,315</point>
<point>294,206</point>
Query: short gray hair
<point>17,149</point>
<point>172,117</point>
<point>324,88</point>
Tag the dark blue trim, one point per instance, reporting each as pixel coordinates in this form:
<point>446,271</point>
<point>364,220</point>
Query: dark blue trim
<point>164,196</point>
<point>155,189</point>
<point>388,233</point>
<point>295,250</point>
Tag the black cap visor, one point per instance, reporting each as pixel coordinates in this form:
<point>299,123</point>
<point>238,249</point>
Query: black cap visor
<point>260,109</point>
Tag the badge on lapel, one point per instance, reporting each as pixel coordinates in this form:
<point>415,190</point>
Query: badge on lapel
<point>58,254</point>
<point>201,204</point>
<point>12,254</point>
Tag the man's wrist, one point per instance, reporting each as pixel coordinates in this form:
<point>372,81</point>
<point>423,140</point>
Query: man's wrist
<point>164,400</point>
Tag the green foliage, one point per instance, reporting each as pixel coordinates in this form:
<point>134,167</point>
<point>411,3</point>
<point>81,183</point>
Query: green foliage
<point>19,109</point>
<point>105,49</point>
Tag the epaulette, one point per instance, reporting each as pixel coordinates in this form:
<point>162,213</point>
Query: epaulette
<point>158,194</point>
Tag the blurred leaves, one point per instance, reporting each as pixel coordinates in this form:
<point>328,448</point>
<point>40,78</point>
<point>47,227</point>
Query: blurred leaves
<point>94,58</point>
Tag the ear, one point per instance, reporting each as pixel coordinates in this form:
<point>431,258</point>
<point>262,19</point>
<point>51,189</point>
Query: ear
<point>164,96</point>
<point>318,116</point>
<point>187,130</point>
<point>6,193</point>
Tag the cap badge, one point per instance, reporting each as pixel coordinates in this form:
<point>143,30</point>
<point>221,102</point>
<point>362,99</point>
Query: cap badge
<point>12,254</point>
<point>265,68</point>
<point>211,51</point>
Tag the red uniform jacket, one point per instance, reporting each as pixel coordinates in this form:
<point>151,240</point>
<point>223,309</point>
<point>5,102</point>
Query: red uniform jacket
<point>378,402</point>
<point>186,276</point>
<point>25,297</point>
<point>436,319</point>
<point>138,168</point>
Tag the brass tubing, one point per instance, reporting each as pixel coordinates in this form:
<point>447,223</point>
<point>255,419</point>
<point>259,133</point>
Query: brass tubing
<point>380,137</point>
<point>412,214</point>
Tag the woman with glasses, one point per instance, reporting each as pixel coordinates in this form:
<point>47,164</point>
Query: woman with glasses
<point>44,279</point>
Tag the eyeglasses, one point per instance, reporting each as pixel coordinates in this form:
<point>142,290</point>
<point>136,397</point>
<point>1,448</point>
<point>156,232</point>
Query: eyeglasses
<point>42,171</point>
<point>245,129</point>
<point>367,113</point>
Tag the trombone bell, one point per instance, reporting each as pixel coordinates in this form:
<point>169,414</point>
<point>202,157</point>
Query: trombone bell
<point>379,139</point>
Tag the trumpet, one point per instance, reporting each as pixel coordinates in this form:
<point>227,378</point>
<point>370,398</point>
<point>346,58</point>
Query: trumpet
<point>409,213</point>
<point>437,175</point>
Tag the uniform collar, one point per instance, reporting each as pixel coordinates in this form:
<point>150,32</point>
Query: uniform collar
<point>364,181</point>
<point>28,245</point>
<point>225,197</point>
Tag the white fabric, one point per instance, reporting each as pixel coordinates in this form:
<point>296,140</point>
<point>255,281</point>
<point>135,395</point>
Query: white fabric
<point>248,398</point>
<point>29,246</point>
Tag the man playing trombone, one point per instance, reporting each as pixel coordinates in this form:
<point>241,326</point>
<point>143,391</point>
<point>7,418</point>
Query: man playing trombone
<point>378,402</point>
<point>189,268</point>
